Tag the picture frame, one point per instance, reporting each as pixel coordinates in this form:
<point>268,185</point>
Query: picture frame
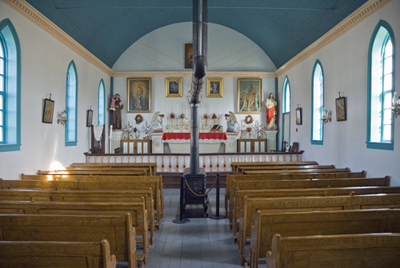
<point>138,95</point>
<point>48,111</point>
<point>173,87</point>
<point>341,114</point>
<point>249,94</point>
<point>89,118</point>
<point>215,87</point>
<point>188,56</point>
<point>299,116</point>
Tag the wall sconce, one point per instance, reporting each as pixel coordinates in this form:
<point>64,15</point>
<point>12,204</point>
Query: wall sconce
<point>62,117</point>
<point>326,116</point>
<point>396,104</point>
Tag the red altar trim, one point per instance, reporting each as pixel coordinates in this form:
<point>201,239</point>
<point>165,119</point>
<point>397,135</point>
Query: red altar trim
<point>186,136</point>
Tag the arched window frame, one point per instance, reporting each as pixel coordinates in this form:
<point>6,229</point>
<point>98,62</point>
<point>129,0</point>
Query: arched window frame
<point>71,104</point>
<point>317,104</point>
<point>286,103</point>
<point>376,123</point>
<point>101,104</point>
<point>10,96</point>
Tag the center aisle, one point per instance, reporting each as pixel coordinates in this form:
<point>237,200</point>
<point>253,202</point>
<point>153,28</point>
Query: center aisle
<point>202,242</point>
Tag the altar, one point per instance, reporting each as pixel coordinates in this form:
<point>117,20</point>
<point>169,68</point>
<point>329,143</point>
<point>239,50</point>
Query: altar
<point>179,143</point>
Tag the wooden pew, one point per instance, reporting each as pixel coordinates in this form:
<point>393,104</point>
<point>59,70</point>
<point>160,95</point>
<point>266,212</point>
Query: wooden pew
<point>137,211</point>
<point>344,251</point>
<point>306,203</point>
<point>86,196</point>
<point>247,183</point>
<point>95,172</point>
<point>56,254</point>
<point>318,223</point>
<point>258,167</point>
<point>296,171</point>
<point>241,193</point>
<point>152,166</point>
<point>229,178</point>
<point>117,230</point>
<point>98,183</point>
<point>235,165</point>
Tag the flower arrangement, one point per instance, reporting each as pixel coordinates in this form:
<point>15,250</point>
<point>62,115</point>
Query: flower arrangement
<point>205,116</point>
<point>138,119</point>
<point>249,129</point>
<point>172,115</point>
<point>135,130</point>
<point>182,116</point>
<point>214,116</point>
<point>248,119</point>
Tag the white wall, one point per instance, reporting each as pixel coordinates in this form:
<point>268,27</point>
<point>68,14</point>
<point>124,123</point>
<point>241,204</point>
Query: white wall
<point>44,63</point>
<point>345,63</point>
<point>163,50</point>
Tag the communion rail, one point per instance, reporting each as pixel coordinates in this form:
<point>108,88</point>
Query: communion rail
<point>176,163</point>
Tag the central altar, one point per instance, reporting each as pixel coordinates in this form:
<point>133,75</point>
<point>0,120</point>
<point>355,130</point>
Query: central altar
<point>180,142</point>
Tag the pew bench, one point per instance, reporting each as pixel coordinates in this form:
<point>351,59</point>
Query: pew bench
<point>306,203</point>
<point>271,164</point>
<point>117,230</point>
<point>86,196</point>
<point>344,251</point>
<point>56,254</point>
<point>136,210</point>
<point>318,223</point>
<point>151,166</point>
<point>295,171</point>
<point>96,172</point>
<point>90,183</point>
<point>241,169</point>
<point>249,184</point>
<point>241,193</point>
<point>297,176</point>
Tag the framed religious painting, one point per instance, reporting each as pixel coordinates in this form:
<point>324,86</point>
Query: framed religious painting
<point>299,119</point>
<point>188,56</point>
<point>138,97</point>
<point>249,93</point>
<point>341,109</point>
<point>173,87</point>
<point>215,87</point>
<point>48,111</point>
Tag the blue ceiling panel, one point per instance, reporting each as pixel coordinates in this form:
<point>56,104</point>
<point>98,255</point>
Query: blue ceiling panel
<point>282,28</point>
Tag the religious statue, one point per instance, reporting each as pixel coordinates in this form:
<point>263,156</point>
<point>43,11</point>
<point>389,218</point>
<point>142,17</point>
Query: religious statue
<point>116,115</point>
<point>157,122</point>
<point>230,122</point>
<point>271,112</point>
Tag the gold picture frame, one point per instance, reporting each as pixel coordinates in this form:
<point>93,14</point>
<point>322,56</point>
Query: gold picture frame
<point>215,87</point>
<point>188,56</point>
<point>48,111</point>
<point>138,95</point>
<point>173,87</point>
<point>249,93</point>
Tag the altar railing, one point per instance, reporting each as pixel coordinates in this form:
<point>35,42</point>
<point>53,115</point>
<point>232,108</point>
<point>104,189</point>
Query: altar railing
<point>176,163</point>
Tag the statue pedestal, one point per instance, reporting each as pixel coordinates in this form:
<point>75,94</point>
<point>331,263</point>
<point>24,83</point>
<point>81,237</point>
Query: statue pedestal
<point>115,139</point>
<point>157,144</point>
<point>271,140</point>
<point>230,143</point>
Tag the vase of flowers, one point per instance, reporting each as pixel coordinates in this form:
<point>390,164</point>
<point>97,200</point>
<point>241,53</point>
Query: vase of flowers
<point>249,129</point>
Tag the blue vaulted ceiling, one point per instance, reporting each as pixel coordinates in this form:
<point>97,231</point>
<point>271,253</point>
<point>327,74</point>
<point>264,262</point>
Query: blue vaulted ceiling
<point>282,28</point>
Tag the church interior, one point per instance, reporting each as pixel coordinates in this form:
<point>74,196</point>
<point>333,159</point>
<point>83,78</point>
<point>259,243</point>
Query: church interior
<point>226,133</point>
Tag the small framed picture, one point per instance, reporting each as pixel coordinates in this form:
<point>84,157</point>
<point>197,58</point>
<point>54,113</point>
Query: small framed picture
<point>299,120</point>
<point>341,109</point>
<point>89,118</point>
<point>215,87</point>
<point>48,111</point>
<point>188,56</point>
<point>173,87</point>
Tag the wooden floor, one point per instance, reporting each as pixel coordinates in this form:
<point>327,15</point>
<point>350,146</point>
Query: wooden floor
<point>202,242</point>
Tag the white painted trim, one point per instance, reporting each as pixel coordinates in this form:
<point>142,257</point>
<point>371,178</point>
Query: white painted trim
<point>189,74</point>
<point>345,25</point>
